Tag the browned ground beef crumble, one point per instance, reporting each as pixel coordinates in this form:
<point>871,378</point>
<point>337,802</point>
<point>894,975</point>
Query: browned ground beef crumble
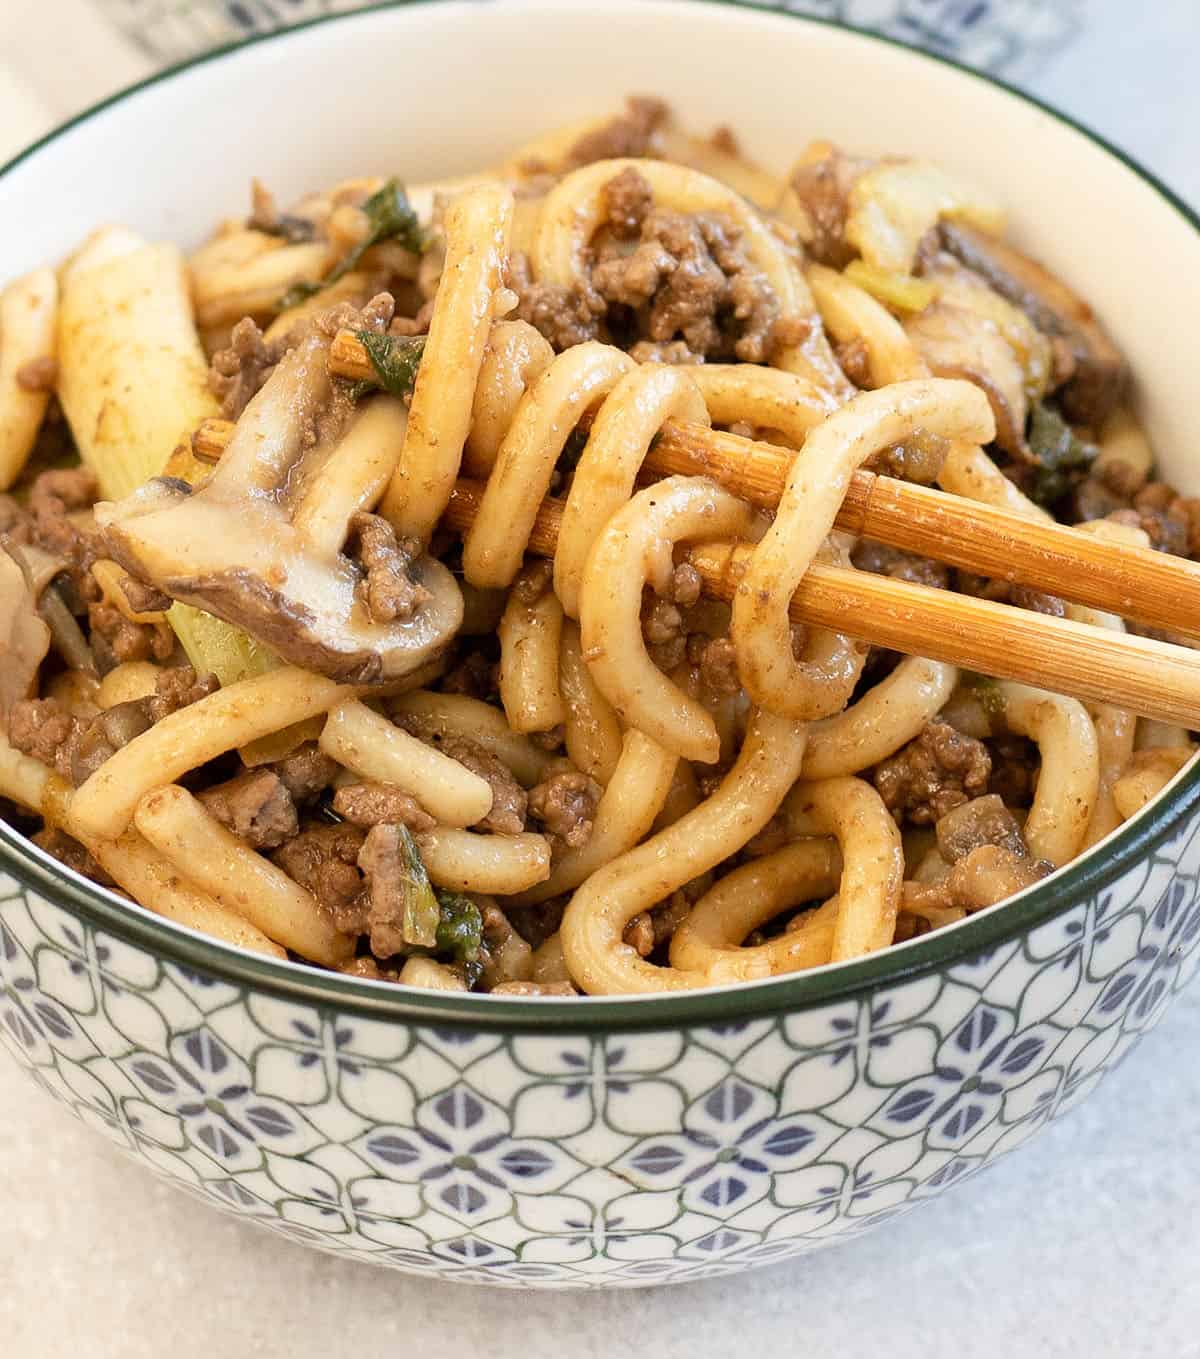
<point>936,772</point>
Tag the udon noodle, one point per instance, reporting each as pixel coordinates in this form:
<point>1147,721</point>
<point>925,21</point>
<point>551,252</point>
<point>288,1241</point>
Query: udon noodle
<point>252,678</point>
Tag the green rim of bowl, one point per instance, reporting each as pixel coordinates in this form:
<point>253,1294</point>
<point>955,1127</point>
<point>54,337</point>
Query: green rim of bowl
<point>788,994</point>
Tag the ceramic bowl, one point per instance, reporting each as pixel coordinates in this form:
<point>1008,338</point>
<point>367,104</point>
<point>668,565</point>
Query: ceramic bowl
<point>601,1142</point>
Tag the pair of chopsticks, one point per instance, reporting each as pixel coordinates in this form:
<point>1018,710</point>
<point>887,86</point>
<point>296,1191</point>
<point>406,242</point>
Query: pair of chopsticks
<point>1151,678</point>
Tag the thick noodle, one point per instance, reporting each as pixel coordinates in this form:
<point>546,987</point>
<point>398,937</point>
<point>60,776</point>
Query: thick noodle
<point>749,795</point>
<point>820,682</point>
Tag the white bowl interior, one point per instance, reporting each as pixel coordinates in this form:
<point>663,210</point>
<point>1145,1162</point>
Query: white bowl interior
<point>430,90</point>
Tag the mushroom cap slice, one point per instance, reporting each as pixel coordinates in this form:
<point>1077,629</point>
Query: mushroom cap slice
<point>241,545</point>
<point>249,566</point>
<point>24,637</point>
<point>1101,375</point>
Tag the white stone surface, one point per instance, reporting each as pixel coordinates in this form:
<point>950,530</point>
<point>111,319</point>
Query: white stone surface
<point>1084,1243</point>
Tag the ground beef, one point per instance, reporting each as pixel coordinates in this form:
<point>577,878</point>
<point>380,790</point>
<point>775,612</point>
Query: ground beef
<point>373,804</point>
<point>509,802</point>
<point>306,773</point>
<point>651,929</point>
<point>687,585</point>
<point>116,639</point>
<point>689,279</point>
<point>1119,491</point>
<point>565,316</point>
<point>628,200</point>
<point>936,772</point>
<point>323,859</point>
<point>854,360</point>
<point>629,134</point>
<point>388,589</point>
<point>716,660</point>
<point>70,852</point>
<point>38,375</point>
<point>1171,521</point>
<point>238,372</point>
<point>535,924</point>
<point>664,632</point>
<point>565,803</point>
<point>74,748</point>
<point>375,315</point>
<point>178,686</point>
<point>504,954</point>
<point>882,560</point>
<point>1110,486</point>
<point>41,727</point>
<point>982,821</point>
<point>63,490</point>
<point>417,324</point>
<point>256,806</point>
<point>680,283</point>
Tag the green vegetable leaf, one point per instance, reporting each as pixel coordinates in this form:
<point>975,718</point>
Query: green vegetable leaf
<point>1061,454</point>
<point>986,691</point>
<point>460,930</point>
<point>395,360</point>
<point>391,218</point>
<point>420,922</point>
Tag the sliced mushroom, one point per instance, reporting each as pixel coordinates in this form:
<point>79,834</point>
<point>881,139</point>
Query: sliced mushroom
<point>259,543</point>
<point>1033,350</point>
<point>24,637</point>
<point>957,343</point>
<point>1100,376</point>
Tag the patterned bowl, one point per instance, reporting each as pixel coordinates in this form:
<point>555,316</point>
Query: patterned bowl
<point>599,1142</point>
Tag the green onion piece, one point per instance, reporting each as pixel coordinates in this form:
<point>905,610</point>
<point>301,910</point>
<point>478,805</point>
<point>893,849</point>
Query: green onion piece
<point>1061,454</point>
<point>391,218</point>
<point>420,922</point>
<point>395,360</point>
<point>460,930</point>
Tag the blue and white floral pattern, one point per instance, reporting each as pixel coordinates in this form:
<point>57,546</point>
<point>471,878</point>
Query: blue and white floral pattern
<point>549,1160</point>
<point>1010,37</point>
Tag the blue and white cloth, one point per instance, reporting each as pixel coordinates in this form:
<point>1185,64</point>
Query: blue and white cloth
<point>1010,37</point>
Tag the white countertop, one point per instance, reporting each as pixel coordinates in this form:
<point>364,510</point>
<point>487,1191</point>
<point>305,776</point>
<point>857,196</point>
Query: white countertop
<point>1086,1242</point>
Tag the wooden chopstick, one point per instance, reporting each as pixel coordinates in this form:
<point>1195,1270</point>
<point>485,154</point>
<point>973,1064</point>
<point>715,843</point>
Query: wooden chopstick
<point>1152,679</point>
<point>1152,588</point>
<point>1148,587</point>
